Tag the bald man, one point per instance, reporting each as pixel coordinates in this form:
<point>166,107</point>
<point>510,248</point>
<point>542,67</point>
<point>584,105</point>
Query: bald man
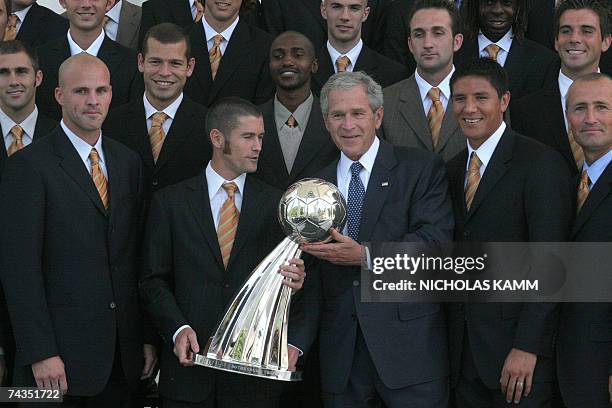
<point>70,276</point>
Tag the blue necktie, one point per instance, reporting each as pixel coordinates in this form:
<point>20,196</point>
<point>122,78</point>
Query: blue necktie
<point>356,192</point>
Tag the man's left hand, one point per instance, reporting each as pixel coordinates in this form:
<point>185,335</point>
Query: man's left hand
<point>345,251</point>
<point>294,353</point>
<point>517,375</point>
<point>294,273</point>
<point>150,361</point>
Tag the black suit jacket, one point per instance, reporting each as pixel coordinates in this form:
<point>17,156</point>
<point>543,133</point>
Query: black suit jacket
<point>584,342</point>
<point>406,200</point>
<point>184,281</point>
<point>383,70</point>
<point>316,149</point>
<point>305,17</point>
<point>41,25</point>
<point>541,21</point>
<point>243,70</point>
<point>121,63</point>
<point>74,286</point>
<point>529,65</point>
<point>525,194</point>
<point>185,151</point>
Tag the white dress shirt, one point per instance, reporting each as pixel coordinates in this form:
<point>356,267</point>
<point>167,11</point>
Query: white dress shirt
<point>93,49</point>
<point>211,32</point>
<point>170,111</point>
<point>504,44</point>
<point>84,149</point>
<point>485,150</point>
<point>425,86</point>
<point>21,16</point>
<point>596,169</point>
<point>352,55</point>
<point>112,27</point>
<point>28,125</point>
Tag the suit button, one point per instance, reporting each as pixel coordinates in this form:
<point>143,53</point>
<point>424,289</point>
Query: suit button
<point>226,285</point>
<point>155,183</point>
<point>355,283</point>
<point>466,234</point>
<point>112,305</point>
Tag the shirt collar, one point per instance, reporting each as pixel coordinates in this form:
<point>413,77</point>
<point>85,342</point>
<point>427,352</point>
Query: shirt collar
<point>301,114</point>
<point>170,109</point>
<point>93,49</point>
<point>21,14</point>
<point>564,84</point>
<point>353,54</point>
<point>425,86</point>
<point>366,160</point>
<point>82,147</point>
<point>485,151</point>
<point>227,33</point>
<point>504,43</point>
<point>215,181</point>
<point>28,125</point>
<point>114,13</point>
<point>597,168</point>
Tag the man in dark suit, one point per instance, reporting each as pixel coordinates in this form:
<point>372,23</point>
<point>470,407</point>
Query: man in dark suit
<point>496,29</point>
<point>86,34</point>
<point>165,127</point>
<point>232,57</point>
<point>542,114</point>
<point>368,351</point>
<point>296,145</point>
<point>584,350</point>
<point>417,108</point>
<point>505,188</point>
<point>304,16</point>
<point>204,236</point>
<point>35,24</point>
<point>20,124</point>
<point>346,51</point>
<point>73,296</point>
<point>123,23</point>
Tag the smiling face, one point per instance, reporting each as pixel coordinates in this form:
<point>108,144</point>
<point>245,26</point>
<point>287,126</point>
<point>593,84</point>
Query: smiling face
<point>344,19</point>
<point>495,17</point>
<point>292,61</point>
<point>221,13</point>
<point>18,83</point>
<point>86,15</point>
<point>589,113</point>
<point>165,70</point>
<point>579,42</point>
<point>478,108</point>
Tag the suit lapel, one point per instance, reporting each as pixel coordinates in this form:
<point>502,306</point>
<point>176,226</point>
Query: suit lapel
<point>376,194</point>
<point>182,13</point>
<point>248,215</point>
<point>75,169</point>
<point>108,53</point>
<point>180,130</point>
<point>114,181</point>
<point>366,61</point>
<point>516,57</point>
<point>326,68</point>
<point>202,72</point>
<point>457,176</point>
<point>128,23</point>
<point>137,130</point>
<point>448,129</point>
<point>314,6</point>
<point>271,151</point>
<point>600,191</point>
<point>28,30</point>
<point>411,109</point>
<point>556,124</point>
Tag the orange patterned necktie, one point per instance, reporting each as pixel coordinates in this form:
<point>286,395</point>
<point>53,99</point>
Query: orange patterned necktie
<point>98,177</point>
<point>199,11</point>
<point>228,222</point>
<point>435,115</point>
<point>10,32</point>
<point>493,51</point>
<point>157,134</point>
<point>17,132</point>
<point>342,63</point>
<point>583,190</point>
<point>214,56</point>
<point>577,151</point>
<point>291,122</point>
<point>473,179</point>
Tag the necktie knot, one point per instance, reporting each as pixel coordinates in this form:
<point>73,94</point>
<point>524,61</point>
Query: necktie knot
<point>17,132</point>
<point>158,119</point>
<point>434,94</point>
<point>291,122</point>
<point>583,190</point>
<point>230,189</point>
<point>356,168</point>
<point>105,20</point>
<point>12,20</point>
<point>10,31</point>
<point>493,51</point>
<point>475,162</point>
<point>342,63</point>
<point>217,40</point>
<point>94,157</point>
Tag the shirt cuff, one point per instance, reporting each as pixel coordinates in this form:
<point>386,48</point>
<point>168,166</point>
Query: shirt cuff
<point>178,331</point>
<point>300,352</point>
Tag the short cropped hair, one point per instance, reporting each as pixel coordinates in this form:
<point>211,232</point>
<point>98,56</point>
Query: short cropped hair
<point>599,7</point>
<point>485,68</point>
<point>349,80</point>
<point>15,47</point>
<point>449,6</point>
<point>166,33</point>
<point>224,114</point>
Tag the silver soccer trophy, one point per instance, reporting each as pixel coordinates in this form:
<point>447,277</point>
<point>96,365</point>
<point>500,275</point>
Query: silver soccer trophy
<point>251,338</point>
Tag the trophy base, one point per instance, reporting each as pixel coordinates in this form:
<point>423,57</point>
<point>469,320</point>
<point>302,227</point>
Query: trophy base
<point>246,369</point>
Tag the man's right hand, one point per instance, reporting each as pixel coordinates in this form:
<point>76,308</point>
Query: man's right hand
<point>50,374</point>
<point>185,344</point>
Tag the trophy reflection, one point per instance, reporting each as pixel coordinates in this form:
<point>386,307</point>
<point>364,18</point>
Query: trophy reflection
<point>251,338</point>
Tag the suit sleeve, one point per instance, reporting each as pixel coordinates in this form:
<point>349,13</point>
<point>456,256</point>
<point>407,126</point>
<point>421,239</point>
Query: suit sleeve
<point>156,281</point>
<point>549,208</point>
<point>22,216</point>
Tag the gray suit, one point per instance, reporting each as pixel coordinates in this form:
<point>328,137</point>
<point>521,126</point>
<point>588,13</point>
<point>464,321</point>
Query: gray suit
<point>129,25</point>
<point>405,122</point>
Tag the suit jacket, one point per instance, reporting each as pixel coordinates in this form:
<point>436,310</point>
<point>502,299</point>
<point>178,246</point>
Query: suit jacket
<point>584,342</point>
<point>405,122</point>
<point>525,194</point>
<point>185,151</point>
<point>41,25</point>
<point>529,65</point>
<point>74,286</point>
<point>540,23</point>
<point>184,281</point>
<point>316,149</point>
<point>382,69</point>
<point>129,25</point>
<point>121,63</point>
<point>305,17</point>
<point>331,295</point>
<point>243,70</point>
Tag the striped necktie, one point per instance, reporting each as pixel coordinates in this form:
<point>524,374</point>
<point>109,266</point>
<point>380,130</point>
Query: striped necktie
<point>583,190</point>
<point>214,56</point>
<point>493,51</point>
<point>10,32</point>
<point>342,63</point>
<point>473,179</point>
<point>98,177</point>
<point>228,222</point>
<point>157,134</point>
<point>17,132</point>
<point>435,115</point>
<point>577,151</point>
